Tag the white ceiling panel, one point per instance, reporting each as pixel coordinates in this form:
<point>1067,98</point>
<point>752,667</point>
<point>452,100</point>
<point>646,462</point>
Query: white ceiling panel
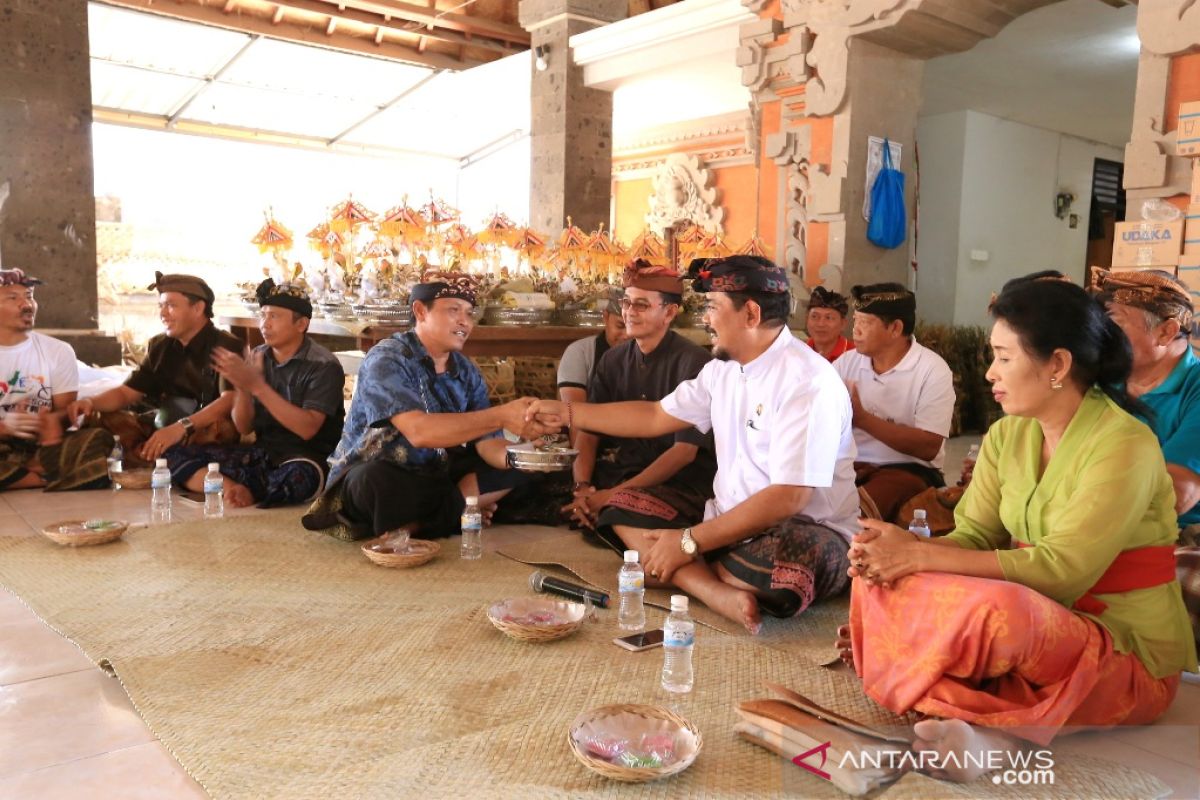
<point>148,40</point>
<point>456,113</point>
<point>137,90</point>
<point>244,107</point>
<point>284,66</point>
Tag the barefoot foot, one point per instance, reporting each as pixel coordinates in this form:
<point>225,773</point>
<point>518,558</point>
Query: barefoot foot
<point>236,495</point>
<point>845,650</point>
<point>963,751</point>
<point>735,604</point>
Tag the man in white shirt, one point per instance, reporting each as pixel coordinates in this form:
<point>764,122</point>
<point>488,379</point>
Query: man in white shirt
<point>775,535</point>
<point>903,399</point>
<point>39,377</point>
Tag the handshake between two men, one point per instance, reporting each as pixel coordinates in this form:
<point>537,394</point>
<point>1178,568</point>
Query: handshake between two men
<point>530,418</point>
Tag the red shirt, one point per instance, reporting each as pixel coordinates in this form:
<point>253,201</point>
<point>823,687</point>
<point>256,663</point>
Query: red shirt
<point>843,345</point>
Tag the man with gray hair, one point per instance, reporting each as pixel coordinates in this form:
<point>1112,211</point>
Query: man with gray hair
<point>1155,311</point>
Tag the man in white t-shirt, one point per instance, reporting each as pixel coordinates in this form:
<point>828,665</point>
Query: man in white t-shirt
<point>903,398</point>
<point>775,535</point>
<point>39,377</point>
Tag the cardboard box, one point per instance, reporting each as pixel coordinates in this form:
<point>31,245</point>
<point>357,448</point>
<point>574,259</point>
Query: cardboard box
<point>1189,274</point>
<point>1187,134</point>
<point>1144,244</point>
<point>1191,230</point>
<point>1195,198</point>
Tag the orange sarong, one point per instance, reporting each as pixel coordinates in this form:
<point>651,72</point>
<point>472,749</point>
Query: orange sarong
<point>996,654</point>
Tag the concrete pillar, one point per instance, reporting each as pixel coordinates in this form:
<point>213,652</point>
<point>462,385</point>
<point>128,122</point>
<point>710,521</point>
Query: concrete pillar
<point>570,125</point>
<point>883,90</point>
<point>48,224</point>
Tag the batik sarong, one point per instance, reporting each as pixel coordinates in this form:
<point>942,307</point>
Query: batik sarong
<point>296,480</point>
<point>791,565</point>
<point>79,461</point>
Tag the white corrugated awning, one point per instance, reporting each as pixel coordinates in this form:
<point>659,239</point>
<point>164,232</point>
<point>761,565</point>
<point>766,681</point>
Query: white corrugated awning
<point>156,72</point>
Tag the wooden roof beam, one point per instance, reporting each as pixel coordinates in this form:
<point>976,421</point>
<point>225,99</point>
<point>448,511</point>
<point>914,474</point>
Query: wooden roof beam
<point>300,33</point>
<point>478,26</point>
<point>354,15</point>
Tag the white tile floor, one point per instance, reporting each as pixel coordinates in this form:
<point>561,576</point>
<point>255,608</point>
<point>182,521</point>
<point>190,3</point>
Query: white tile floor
<point>67,730</point>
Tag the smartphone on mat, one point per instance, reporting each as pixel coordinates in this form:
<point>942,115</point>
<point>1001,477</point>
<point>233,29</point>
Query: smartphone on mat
<point>640,641</point>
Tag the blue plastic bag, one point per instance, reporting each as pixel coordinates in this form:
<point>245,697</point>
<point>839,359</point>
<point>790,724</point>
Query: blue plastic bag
<point>888,226</point>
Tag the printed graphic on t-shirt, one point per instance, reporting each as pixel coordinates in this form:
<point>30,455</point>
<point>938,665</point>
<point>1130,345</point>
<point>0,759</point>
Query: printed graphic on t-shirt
<point>25,393</point>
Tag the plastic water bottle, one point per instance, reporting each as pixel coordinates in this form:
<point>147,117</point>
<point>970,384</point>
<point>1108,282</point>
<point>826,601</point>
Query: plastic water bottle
<point>214,492</point>
<point>116,459</point>
<point>472,530</point>
<point>920,525</point>
<point>631,580</point>
<point>160,499</point>
<point>679,635</point>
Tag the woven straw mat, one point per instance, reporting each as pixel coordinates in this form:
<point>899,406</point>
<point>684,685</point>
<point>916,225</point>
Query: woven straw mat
<point>273,662</point>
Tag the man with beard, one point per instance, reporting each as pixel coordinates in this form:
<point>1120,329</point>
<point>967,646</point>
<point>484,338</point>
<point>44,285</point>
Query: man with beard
<point>775,535</point>
<point>421,435</point>
<point>39,378</point>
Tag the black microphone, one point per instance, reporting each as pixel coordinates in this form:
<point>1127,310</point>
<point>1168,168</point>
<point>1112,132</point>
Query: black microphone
<point>541,582</point>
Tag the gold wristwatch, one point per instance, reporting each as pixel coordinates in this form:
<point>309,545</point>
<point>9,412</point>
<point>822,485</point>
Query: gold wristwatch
<point>687,544</point>
<point>188,427</point>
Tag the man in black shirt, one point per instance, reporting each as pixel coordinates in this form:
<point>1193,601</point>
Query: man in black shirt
<point>656,482</point>
<point>177,376</point>
<point>288,393</point>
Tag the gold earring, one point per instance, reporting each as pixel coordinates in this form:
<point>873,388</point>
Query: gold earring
<point>1055,384</point>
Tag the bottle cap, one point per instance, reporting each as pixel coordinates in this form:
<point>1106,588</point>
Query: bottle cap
<point>472,500</point>
<point>631,556</point>
<point>679,602</point>
<point>214,467</point>
<point>919,513</point>
<point>160,463</point>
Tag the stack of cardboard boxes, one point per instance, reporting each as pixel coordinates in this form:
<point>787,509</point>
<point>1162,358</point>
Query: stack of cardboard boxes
<point>1187,142</point>
<point>1170,246</point>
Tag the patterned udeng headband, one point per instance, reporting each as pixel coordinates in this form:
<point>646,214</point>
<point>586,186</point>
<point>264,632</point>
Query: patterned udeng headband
<point>1159,294</point>
<point>884,300</point>
<point>862,303</point>
<point>738,274</point>
<point>436,285</point>
<point>284,295</point>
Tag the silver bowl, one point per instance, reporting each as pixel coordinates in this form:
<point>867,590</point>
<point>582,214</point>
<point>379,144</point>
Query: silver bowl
<point>336,311</point>
<point>540,457</point>
<point>581,318</point>
<point>499,315</point>
<point>389,313</point>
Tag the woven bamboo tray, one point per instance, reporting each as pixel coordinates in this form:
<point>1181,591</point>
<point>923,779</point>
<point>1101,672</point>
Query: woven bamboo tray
<point>133,478</point>
<point>630,721</point>
<point>573,613</point>
<point>536,376</point>
<point>420,551</point>
<point>499,377</point>
<point>74,533</point>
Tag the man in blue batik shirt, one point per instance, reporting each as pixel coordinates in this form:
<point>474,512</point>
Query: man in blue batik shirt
<point>1155,311</point>
<point>420,435</point>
